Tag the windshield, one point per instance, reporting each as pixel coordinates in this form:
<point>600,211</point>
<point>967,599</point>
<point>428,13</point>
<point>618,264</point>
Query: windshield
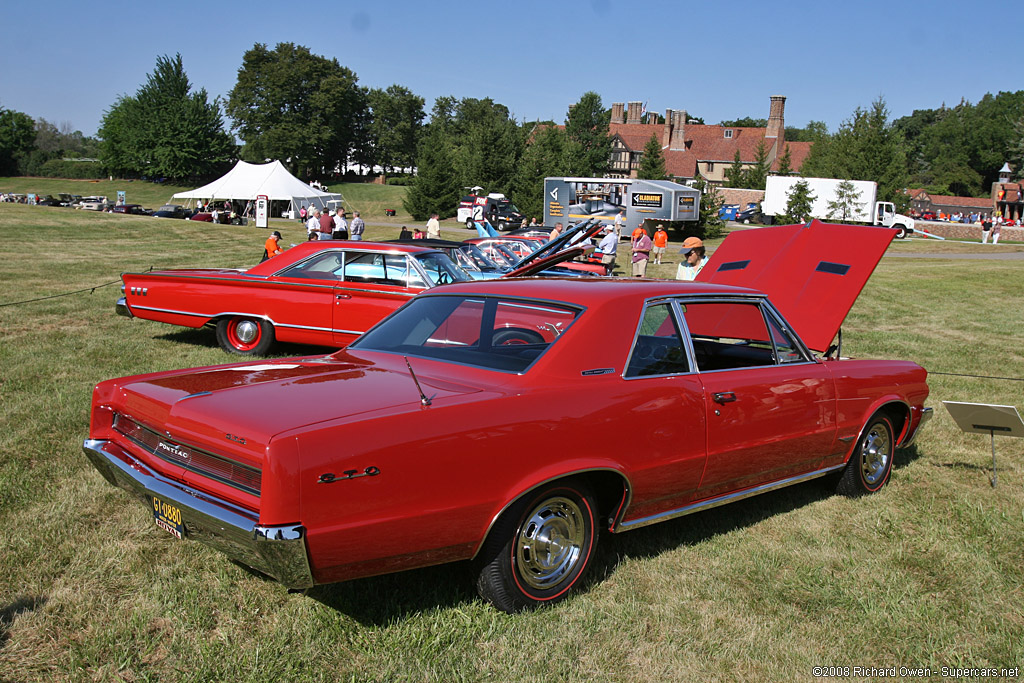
<point>504,334</point>
<point>476,256</point>
<point>441,269</point>
<point>508,207</point>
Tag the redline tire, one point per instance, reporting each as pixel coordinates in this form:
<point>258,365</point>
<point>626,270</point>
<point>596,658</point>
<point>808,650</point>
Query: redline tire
<point>539,549</point>
<point>871,462</point>
<point>245,336</point>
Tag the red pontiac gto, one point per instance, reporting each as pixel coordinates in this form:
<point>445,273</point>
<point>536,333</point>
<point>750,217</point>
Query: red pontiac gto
<point>324,293</point>
<point>509,422</point>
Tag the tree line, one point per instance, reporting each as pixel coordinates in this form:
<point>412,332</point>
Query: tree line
<point>311,113</point>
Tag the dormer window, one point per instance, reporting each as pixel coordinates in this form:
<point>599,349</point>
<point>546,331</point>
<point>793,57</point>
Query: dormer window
<point>728,133</point>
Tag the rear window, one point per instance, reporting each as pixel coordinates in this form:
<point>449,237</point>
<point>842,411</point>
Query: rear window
<point>488,332</point>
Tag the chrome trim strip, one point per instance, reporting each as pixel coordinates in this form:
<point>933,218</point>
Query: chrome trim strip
<point>723,500</point>
<point>278,551</point>
<point>926,414</point>
<point>211,316</point>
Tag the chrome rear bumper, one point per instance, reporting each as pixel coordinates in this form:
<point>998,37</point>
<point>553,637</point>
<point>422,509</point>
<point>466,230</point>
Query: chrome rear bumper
<point>278,551</point>
<point>121,307</point>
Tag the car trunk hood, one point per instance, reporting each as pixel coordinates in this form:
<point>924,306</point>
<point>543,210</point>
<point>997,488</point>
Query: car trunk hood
<point>250,403</point>
<point>812,273</point>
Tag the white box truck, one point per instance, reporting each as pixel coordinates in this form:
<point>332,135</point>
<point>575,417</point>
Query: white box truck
<point>865,209</point>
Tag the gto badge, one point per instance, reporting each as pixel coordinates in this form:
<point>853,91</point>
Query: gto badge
<point>236,439</point>
<point>330,477</point>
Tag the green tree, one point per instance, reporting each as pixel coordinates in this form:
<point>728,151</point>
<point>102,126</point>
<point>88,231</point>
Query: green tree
<point>17,139</point>
<point>544,157</point>
<point>589,145</point>
<point>799,203</point>
<point>435,187</point>
<point>866,147</point>
<point>709,223</point>
<point>846,203</point>
<point>165,129</point>
<point>734,175</point>
<point>487,142</point>
<point>303,109</point>
<point>814,131</point>
<point>395,123</point>
<point>652,163</point>
<point>785,165</point>
<point>756,175</point>
<point>745,122</point>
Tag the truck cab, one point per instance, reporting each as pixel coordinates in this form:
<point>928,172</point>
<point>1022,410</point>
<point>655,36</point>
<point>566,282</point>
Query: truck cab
<point>495,208</point>
<point>885,215</point>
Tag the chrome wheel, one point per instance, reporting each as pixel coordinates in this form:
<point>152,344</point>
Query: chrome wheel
<point>550,543</point>
<point>870,464</point>
<point>875,455</point>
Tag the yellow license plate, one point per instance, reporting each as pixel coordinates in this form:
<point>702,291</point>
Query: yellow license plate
<point>168,517</point>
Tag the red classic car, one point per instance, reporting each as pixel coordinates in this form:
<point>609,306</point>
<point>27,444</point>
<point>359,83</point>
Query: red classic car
<point>510,421</point>
<point>324,293</point>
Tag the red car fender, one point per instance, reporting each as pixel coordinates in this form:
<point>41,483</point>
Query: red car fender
<point>582,467</point>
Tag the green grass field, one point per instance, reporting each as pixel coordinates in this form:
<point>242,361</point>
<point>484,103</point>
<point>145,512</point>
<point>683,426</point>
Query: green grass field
<point>927,573</point>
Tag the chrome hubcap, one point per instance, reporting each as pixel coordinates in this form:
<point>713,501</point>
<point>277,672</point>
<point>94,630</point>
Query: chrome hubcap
<point>874,455</point>
<point>247,331</point>
<point>550,543</point>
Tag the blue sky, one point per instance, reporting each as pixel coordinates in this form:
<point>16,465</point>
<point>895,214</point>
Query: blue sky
<point>69,61</point>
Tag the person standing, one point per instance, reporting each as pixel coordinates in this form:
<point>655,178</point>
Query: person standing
<point>636,233</point>
<point>326,226</point>
<point>660,242</point>
<point>618,224</point>
<point>693,261</point>
<point>357,227</point>
<point>555,232</point>
<point>641,253</point>
<point>433,228</point>
<point>608,246</point>
<point>313,224</point>
<point>340,226</point>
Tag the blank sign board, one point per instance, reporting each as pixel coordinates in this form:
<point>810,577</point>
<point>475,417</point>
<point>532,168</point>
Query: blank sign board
<point>983,418</point>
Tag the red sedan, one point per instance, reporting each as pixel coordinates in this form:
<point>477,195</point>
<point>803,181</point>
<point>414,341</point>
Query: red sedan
<point>509,422</point>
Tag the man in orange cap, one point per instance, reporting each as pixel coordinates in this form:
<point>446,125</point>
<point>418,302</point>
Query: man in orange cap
<point>693,259</point>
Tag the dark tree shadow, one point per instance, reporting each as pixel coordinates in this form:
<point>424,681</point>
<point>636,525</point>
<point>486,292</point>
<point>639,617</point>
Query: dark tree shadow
<point>10,611</point>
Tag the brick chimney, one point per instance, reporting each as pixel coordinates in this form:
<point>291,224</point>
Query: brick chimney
<point>666,136</point>
<point>633,115</point>
<point>678,138</point>
<point>776,119</point>
<point>618,112</point>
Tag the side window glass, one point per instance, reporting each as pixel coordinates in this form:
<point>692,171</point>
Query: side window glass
<point>726,336</point>
<point>658,349</point>
<point>327,266</point>
<point>786,350</point>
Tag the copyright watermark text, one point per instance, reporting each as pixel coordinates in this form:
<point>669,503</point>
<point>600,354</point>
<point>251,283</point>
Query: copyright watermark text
<point>914,672</point>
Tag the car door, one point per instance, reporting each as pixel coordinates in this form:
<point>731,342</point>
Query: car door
<point>662,407</point>
<point>771,408</point>
<point>373,284</point>
<point>299,300</point>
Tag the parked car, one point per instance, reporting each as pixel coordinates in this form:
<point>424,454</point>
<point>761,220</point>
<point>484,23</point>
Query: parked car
<point>95,203</point>
<point>497,422</point>
<point>170,211</point>
<point>524,247</point>
<point>324,293</point>
<point>927,215</point>
<point>130,209</point>
<point>469,256</point>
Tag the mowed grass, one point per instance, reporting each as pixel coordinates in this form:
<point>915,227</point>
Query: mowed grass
<point>926,573</point>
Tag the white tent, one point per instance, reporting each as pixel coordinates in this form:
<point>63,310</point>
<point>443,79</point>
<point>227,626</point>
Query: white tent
<point>247,181</point>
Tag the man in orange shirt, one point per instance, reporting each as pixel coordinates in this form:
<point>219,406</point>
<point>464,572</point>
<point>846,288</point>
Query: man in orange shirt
<point>660,242</point>
<point>272,247</point>
<point>636,233</point>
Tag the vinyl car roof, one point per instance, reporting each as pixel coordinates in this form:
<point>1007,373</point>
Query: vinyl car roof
<point>306,249</point>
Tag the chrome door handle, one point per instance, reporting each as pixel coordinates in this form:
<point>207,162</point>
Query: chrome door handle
<point>342,296</point>
<point>723,397</point>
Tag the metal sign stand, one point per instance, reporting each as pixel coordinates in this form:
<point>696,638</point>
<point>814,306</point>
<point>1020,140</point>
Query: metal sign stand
<point>983,418</point>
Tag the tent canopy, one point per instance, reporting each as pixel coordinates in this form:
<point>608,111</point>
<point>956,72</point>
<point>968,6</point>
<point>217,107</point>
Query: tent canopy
<point>247,181</point>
